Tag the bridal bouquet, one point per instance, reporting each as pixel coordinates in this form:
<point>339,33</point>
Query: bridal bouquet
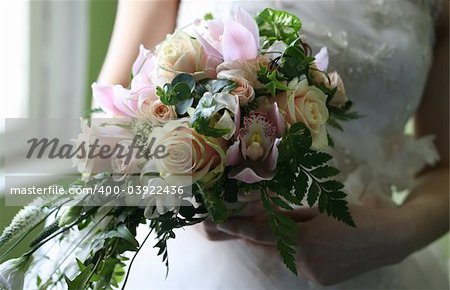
<point>221,110</point>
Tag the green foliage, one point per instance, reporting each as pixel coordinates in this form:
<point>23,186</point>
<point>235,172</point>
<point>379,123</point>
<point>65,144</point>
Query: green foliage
<point>294,62</point>
<point>208,16</point>
<point>165,225</point>
<point>343,114</point>
<point>214,86</point>
<point>305,174</point>
<point>124,233</point>
<point>283,227</point>
<point>178,93</point>
<point>214,204</point>
<point>46,232</point>
<point>272,80</point>
<point>276,25</point>
<point>79,282</point>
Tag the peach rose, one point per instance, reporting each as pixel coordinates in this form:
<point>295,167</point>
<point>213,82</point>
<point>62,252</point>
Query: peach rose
<point>155,111</point>
<point>244,90</point>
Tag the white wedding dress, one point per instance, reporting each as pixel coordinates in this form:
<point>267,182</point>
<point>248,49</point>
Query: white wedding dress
<point>383,50</point>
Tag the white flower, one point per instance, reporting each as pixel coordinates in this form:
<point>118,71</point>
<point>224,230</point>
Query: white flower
<point>158,203</point>
<point>103,132</point>
<point>69,214</point>
<point>12,273</point>
<point>24,220</point>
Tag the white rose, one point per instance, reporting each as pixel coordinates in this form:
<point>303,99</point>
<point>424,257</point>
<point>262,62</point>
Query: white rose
<point>105,134</point>
<point>306,104</point>
<point>180,53</point>
<point>127,164</point>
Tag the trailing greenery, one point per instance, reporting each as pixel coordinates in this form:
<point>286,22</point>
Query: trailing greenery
<point>305,174</point>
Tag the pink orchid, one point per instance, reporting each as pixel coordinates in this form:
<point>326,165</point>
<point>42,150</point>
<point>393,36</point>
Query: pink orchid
<point>255,152</point>
<point>231,39</point>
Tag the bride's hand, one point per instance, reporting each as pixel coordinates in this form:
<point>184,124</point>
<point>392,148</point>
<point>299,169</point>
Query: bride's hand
<point>329,251</point>
<point>210,230</point>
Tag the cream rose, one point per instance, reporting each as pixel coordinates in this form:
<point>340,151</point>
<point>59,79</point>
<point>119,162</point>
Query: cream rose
<point>188,156</point>
<point>181,53</point>
<point>306,104</point>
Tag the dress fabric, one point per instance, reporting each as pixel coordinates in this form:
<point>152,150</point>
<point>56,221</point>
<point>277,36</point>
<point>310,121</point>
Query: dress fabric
<point>383,51</point>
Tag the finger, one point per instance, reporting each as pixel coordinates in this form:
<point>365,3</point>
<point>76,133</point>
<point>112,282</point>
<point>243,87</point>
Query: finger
<point>258,233</point>
<point>251,209</point>
<point>303,214</point>
<point>209,230</point>
<point>371,200</point>
<point>251,197</point>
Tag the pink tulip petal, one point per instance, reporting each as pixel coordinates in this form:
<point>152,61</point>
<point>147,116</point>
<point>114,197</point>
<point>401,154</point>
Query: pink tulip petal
<point>210,50</point>
<point>322,59</point>
<point>104,96</point>
<point>246,20</point>
<point>124,102</point>
<point>215,28</point>
<point>144,62</point>
<point>211,65</point>
<point>238,42</point>
<point>139,82</point>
